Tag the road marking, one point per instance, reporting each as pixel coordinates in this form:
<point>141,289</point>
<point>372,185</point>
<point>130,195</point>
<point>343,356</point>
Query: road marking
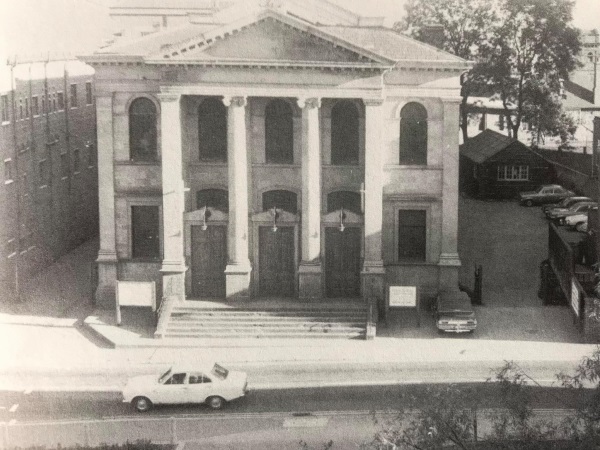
<point>13,408</point>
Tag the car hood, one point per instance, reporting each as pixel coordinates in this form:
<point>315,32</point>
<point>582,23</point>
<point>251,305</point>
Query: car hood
<point>142,381</point>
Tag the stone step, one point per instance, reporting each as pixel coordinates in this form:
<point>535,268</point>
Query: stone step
<point>213,318</point>
<point>291,335</point>
<point>271,311</point>
<point>276,328</point>
<point>234,314</point>
<point>279,324</point>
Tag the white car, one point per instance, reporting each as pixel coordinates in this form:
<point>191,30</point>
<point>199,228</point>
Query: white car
<point>210,384</point>
<point>576,220</point>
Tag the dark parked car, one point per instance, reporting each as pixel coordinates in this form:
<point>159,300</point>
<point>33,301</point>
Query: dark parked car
<point>454,313</point>
<point>558,215</point>
<point>548,193</point>
<point>565,203</point>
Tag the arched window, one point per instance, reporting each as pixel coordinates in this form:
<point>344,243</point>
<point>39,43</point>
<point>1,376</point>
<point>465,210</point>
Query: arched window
<point>212,130</point>
<point>142,130</point>
<point>344,134</point>
<point>213,198</point>
<point>350,201</point>
<point>413,134</point>
<point>286,200</point>
<point>279,132</point>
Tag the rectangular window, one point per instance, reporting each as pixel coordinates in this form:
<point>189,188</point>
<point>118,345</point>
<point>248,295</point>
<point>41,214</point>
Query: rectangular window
<point>43,172</point>
<point>53,102</point>
<point>145,232</point>
<point>4,108</point>
<point>21,113</point>
<point>61,100</point>
<point>513,173</point>
<point>26,107</point>
<point>8,170</point>
<point>73,96</point>
<point>412,234</point>
<point>43,104</point>
<point>64,165</point>
<point>76,161</point>
<point>35,106</point>
<point>91,155</point>
<point>88,94</point>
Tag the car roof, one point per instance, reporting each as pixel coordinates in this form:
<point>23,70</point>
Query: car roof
<point>454,301</point>
<point>204,367</point>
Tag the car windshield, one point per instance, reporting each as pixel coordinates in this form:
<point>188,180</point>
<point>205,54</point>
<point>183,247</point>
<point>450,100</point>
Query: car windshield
<point>165,376</point>
<point>219,371</point>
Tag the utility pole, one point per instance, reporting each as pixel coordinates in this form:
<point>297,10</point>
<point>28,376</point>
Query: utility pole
<point>595,148</point>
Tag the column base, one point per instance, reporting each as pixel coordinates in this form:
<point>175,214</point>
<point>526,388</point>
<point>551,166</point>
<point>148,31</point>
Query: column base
<point>106,290</point>
<point>373,281</point>
<point>309,281</point>
<point>237,281</point>
<point>449,267</point>
<point>173,280</point>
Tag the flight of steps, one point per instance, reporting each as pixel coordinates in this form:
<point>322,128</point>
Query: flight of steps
<point>348,322</point>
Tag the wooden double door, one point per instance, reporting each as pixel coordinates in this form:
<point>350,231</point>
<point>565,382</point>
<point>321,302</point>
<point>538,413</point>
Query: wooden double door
<point>342,262</point>
<point>208,261</point>
<point>277,261</point>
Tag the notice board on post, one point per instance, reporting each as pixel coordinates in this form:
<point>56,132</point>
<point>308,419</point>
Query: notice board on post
<point>404,297</point>
<point>135,293</point>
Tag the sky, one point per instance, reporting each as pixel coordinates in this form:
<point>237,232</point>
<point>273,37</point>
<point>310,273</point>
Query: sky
<point>71,27</point>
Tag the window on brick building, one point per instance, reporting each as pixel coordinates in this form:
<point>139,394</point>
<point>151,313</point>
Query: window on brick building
<point>344,134</point>
<point>76,160</point>
<point>64,165</point>
<point>279,132</point>
<point>60,97</point>
<point>412,234</point>
<point>8,170</point>
<point>348,200</point>
<point>142,130</point>
<point>89,99</point>
<point>413,134</point>
<point>35,106</point>
<point>74,96</point>
<point>212,130</point>
<point>286,200</point>
<point>26,109</point>
<point>213,198</point>
<point>145,239</point>
<point>43,172</point>
<point>4,108</point>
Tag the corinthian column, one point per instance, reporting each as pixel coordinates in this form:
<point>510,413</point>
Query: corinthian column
<point>309,273</point>
<point>173,265</point>
<point>237,273</point>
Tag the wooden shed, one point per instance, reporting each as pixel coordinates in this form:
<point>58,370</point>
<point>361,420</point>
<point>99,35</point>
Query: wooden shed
<point>496,166</point>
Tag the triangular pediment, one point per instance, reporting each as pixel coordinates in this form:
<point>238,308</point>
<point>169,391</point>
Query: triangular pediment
<point>269,37</point>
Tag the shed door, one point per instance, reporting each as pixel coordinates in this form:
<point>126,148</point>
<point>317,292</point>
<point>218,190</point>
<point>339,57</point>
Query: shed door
<point>342,262</point>
<point>209,260</point>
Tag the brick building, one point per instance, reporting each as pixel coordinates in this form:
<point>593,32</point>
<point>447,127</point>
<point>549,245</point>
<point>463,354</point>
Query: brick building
<point>288,150</point>
<point>49,184</point>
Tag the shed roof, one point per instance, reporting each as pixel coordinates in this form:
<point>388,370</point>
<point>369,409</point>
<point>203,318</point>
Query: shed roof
<point>485,145</point>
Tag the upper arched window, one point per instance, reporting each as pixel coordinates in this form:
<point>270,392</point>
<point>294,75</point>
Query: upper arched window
<point>212,130</point>
<point>286,200</point>
<point>344,134</point>
<point>213,198</point>
<point>348,200</point>
<point>142,130</point>
<point>413,134</point>
<point>279,132</point>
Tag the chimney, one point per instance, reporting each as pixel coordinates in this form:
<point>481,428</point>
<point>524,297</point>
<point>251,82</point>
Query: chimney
<point>433,34</point>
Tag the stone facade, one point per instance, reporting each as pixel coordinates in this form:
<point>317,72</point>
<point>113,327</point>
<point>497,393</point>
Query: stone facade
<point>221,62</point>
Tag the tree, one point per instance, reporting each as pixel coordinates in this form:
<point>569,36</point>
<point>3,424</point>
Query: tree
<point>533,47</point>
<point>465,25</point>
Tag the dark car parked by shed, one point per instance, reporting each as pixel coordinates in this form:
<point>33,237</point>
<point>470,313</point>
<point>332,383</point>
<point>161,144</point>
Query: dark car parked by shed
<point>496,166</point>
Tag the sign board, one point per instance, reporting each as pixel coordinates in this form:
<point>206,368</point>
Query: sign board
<point>403,296</point>
<point>135,293</point>
<point>575,298</point>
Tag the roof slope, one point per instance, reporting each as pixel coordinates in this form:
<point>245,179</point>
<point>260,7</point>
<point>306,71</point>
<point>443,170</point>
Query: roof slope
<point>485,145</point>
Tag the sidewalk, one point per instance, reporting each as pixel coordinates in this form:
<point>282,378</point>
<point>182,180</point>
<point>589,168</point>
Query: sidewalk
<point>45,350</point>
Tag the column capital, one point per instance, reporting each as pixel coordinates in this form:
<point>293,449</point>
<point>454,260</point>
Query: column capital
<point>373,101</point>
<point>167,97</point>
<point>235,101</point>
<point>309,102</point>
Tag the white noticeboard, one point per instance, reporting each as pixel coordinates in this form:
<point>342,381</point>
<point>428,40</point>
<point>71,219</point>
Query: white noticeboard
<point>403,296</point>
<point>135,293</point>
<point>575,298</point>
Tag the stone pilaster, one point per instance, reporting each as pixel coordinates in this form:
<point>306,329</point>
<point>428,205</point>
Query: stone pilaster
<point>237,272</point>
<point>449,260</point>
<point>310,271</point>
<point>173,264</point>
<point>373,271</point>
<point>107,254</point>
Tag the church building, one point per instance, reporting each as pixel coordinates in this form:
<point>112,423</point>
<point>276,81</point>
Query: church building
<point>289,150</point>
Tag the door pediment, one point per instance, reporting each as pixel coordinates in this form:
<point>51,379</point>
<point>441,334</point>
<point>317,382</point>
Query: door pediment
<point>207,213</point>
<point>282,216</point>
<point>349,217</point>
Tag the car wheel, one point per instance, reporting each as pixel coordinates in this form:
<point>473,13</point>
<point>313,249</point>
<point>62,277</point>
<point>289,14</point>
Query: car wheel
<point>528,202</point>
<point>215,402</point>
<point>142,404</point>
<point>580,226</point>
